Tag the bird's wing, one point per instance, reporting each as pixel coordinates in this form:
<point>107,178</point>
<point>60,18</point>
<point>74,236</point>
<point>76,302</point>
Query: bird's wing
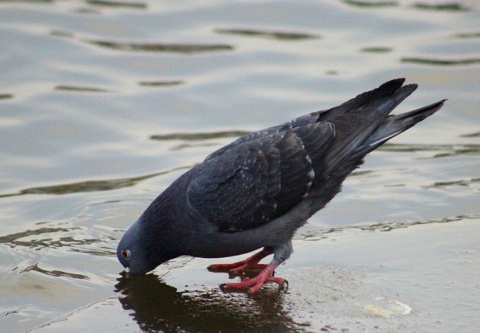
<point>254,182</point>
<point>389,94</point>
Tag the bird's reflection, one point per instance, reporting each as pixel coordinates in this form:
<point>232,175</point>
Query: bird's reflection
<point>159,307</point>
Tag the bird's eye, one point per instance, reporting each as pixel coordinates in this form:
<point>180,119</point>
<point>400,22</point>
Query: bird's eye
<point>126,254</point>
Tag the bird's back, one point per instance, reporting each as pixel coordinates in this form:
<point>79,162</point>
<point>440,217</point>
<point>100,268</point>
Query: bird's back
<point>262,176</point>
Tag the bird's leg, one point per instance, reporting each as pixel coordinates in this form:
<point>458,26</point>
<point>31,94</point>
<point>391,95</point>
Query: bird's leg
<point>239,267</point>
<point>281,253</point>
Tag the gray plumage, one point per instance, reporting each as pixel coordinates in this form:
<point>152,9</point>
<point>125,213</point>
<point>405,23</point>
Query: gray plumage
<point>258,190</point>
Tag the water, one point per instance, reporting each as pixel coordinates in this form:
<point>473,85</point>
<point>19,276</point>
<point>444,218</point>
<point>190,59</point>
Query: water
<point>103,104</point>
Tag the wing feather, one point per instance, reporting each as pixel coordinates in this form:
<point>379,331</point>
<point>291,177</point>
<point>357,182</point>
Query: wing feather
<point>258,180</point>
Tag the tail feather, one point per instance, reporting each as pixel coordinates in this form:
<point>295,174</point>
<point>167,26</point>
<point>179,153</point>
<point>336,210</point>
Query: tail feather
<point>356,125</point>
<point>367,99</point>
<point>393,125</point>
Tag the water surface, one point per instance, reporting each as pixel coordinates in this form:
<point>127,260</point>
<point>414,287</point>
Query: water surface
<point>104,103</point>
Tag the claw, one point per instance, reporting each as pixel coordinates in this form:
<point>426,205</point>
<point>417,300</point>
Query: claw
<point>254,284</point>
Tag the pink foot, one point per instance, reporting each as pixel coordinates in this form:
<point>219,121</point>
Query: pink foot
<point>256,283</point>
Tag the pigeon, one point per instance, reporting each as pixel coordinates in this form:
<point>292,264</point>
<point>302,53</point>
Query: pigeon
<point>257,191</point>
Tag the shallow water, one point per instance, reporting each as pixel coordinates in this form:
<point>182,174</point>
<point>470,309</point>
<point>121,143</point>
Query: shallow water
<point>103,104</point>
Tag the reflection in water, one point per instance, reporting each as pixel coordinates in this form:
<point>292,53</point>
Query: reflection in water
<point>290,36</point>
<point>441,62</point>
<point>158,307</point>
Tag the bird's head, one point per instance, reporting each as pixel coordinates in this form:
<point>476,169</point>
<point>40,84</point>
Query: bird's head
<point>144,246</point>
<point>131,251</point>
<point>158,235</point>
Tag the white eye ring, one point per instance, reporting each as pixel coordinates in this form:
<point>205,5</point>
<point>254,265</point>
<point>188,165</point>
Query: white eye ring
<point>126,254</point>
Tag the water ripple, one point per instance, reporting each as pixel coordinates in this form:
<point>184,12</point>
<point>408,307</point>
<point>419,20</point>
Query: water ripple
<point>71,88</point>
<point>89,185</point>
<point>370,4</point>
<point>463,182</point>
<point>314,235</point>
<point>151,47</point>
<point>12,239</point>
<point>50,243</point>
<point>471,135</point>
<point>376,49</point>
<point>278,35</point>
<point>6,96</point>
<point>160,47</point>
<point>171,83</point>
<point>441,62</point>
<point>118,4</point>
<point>467,35</point>
<point>442,150</point>
<point>451,7</point>
<point>54,273</point>
<point>199,136</point>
